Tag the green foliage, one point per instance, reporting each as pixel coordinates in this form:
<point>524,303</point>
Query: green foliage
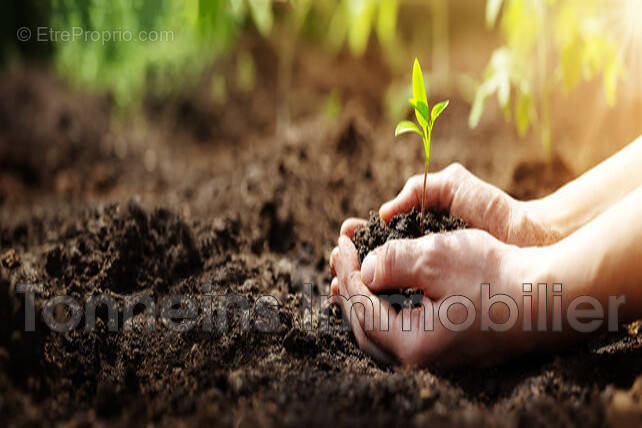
<point>425,117</point>
<point>354,21</point>
<point>406,126</point>
<point>420,98</point>
<point>548,44</point>
<point>188,35</point>
<point>437,109</point>
<point>261,11</point>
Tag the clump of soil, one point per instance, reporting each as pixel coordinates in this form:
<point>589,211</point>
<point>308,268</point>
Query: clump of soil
<point>377,232</point>
<point>403,226</point>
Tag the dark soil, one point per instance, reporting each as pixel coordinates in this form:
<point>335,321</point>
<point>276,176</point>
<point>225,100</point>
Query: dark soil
<point>402,226</point>
<point>89,205</point>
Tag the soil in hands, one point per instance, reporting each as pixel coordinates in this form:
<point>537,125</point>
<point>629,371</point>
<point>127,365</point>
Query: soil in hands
<point>377,232</point>
<point>403,226</point>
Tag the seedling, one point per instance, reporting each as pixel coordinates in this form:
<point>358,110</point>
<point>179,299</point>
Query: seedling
<point>426,119</point>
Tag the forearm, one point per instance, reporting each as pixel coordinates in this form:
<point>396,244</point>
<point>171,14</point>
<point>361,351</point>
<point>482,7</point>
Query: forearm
<point>604,258</point>
<point>583,199</point>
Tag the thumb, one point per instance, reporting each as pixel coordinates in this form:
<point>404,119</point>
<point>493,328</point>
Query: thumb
<point>399,263</point>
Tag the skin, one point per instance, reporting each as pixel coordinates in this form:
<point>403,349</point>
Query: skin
<point>587,236</point>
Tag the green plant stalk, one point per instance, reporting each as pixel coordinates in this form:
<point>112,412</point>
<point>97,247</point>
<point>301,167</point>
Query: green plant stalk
<point>423,195</point>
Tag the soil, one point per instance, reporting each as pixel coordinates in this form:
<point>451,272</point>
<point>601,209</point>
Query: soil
<point>402,226</point>
<point>91,204</point>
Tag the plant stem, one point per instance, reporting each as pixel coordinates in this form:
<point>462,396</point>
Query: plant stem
<point>423,200</point>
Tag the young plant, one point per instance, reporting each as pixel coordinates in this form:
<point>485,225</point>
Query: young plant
<point>426,120</point>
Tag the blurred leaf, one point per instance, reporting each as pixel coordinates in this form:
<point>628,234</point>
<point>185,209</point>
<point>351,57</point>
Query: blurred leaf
<point>478,107</point>
<point>497,78</point>
<point>237,7</point>
<point>571,64</point>
<point>492,10</point>
<point>188,36</point>
<point>572,37</point>
<point>438,109</point>
<point>191,12</point>
<point>523,111</point>
<point>500,70</point>
<point>338,27</point>
<point>387,21</point>
<point>503,90</point>
<point>611,75</point>
<point>300,9</point>
<point>520,26</point>
<point>545,138</point>
<point>261,11</point>
<point>360,24</point>
<point>406,126</point>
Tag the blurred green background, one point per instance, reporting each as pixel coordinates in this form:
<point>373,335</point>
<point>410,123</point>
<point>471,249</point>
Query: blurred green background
<point>537,50</point>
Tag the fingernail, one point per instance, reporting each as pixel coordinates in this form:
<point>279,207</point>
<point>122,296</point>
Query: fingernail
<point>368,268</point>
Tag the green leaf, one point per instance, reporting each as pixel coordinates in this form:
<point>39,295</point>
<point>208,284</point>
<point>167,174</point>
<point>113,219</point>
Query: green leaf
<point>523,111</point>
<point>237,7</point>
<point>387,21</point>
<point>261,11</point>
<point>492,10</point>
<point>478,107</point>
<point>338,27</point>
<point>419,90</point>
<point>437,109</point>
<point>406,126</point>
<point>611,75</point>
<point>360,25</point>
<point>571,64</point>
<point>421,111</point>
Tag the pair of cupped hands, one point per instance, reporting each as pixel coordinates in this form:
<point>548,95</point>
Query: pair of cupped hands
<point>497,248</point>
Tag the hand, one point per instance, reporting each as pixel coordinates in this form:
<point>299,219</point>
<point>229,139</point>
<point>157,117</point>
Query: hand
<point>441,265</point>
<point>481,205</point>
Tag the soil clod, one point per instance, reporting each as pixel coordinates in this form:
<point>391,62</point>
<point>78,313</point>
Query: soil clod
<point>402,226</point>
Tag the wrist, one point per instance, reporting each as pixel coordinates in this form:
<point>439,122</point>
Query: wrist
<point>546,281</point>
<point>551,217</point>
